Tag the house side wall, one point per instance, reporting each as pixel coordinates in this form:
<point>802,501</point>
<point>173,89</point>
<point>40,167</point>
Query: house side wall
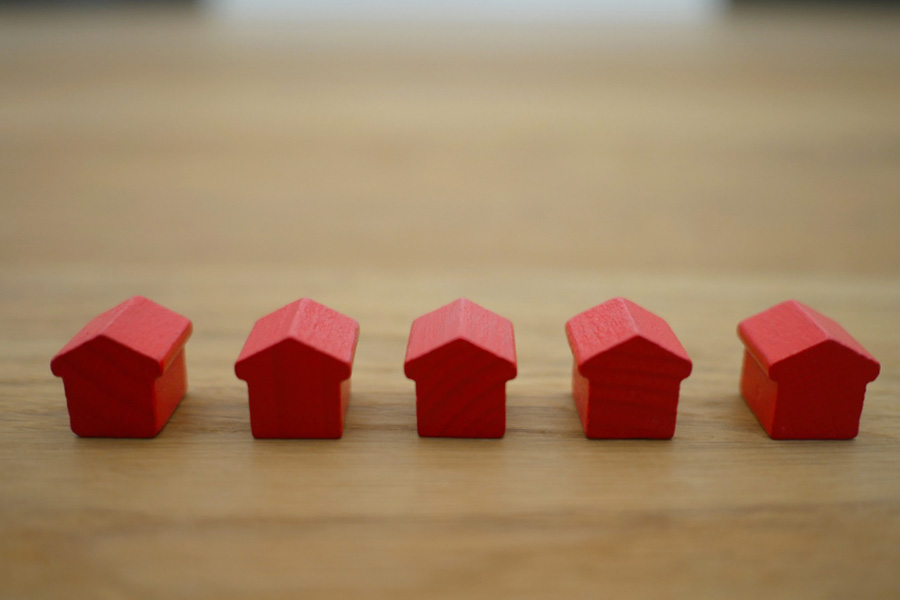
<point>581,392</point>
<point>345,401</point>
<point>169,389</point>
<point>759,392</point>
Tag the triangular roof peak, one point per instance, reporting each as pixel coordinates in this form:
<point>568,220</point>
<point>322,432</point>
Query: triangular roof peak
<point>311,324</point>
<point>785,332</point>
<point>464,320</point>
<point>619,324</point>
<point>140,330</point>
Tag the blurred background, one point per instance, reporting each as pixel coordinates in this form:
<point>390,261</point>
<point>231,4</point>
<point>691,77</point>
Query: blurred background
<point>659,135</point>
<point>704,158</point>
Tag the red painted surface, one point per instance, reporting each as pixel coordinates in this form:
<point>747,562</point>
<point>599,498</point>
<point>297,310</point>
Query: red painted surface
<point>124,372</point>
<point>627,371</point>
<point>297,363</point>
<point>804,376</point>
<point>461,357</point>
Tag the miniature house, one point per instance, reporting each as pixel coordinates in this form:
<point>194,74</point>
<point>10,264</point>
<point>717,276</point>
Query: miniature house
<point>461,357</point>
<point>124,373</point>
<point>804,376</point>
<point>627,370</point>
<point>297,363</point>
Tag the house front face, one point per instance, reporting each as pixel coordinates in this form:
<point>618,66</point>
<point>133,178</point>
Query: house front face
<point>293,394</point>
<point>633,395</point>
<point>111,400</point>
<point>819,401</point>
<point>463,394</point>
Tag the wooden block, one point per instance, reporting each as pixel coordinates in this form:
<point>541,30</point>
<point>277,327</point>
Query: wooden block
<point>627,370</point>
<point>461,357</point>
<point>297,363</point>
<point>124,372</point>
<point>804,376</point>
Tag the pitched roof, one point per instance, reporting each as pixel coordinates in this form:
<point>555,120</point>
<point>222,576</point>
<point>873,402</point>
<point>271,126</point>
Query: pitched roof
<point>136,331</point>
<point>785,332</point>
<point>615,324</point>
<point>464,320</point>
<point>311,324</point>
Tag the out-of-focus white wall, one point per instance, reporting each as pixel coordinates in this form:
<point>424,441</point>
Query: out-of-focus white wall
<point>658,11</point>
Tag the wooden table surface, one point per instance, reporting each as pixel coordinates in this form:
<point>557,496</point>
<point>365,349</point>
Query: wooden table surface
<point>706,173</point>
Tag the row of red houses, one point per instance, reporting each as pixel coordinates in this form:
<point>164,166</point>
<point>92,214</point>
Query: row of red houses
<point>804,376</point>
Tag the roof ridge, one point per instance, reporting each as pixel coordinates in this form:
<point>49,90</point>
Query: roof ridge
<point>625,302</point>
<point>118,310</point>
<point>813,316</point>
<point>295,325</point>
<point>464,311</point>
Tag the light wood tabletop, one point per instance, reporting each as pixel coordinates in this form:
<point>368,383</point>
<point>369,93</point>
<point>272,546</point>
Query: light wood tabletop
<point>705,173</point>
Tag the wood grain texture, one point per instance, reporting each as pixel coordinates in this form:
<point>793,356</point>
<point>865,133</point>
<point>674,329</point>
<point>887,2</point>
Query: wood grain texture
<point>704,175</point>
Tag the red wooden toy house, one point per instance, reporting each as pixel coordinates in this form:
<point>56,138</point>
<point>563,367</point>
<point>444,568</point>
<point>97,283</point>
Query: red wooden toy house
<point>628,367</point>
<point>297,363</point>
<point>804,376</point>
<point>461,357</point>
<point>124,372</point>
